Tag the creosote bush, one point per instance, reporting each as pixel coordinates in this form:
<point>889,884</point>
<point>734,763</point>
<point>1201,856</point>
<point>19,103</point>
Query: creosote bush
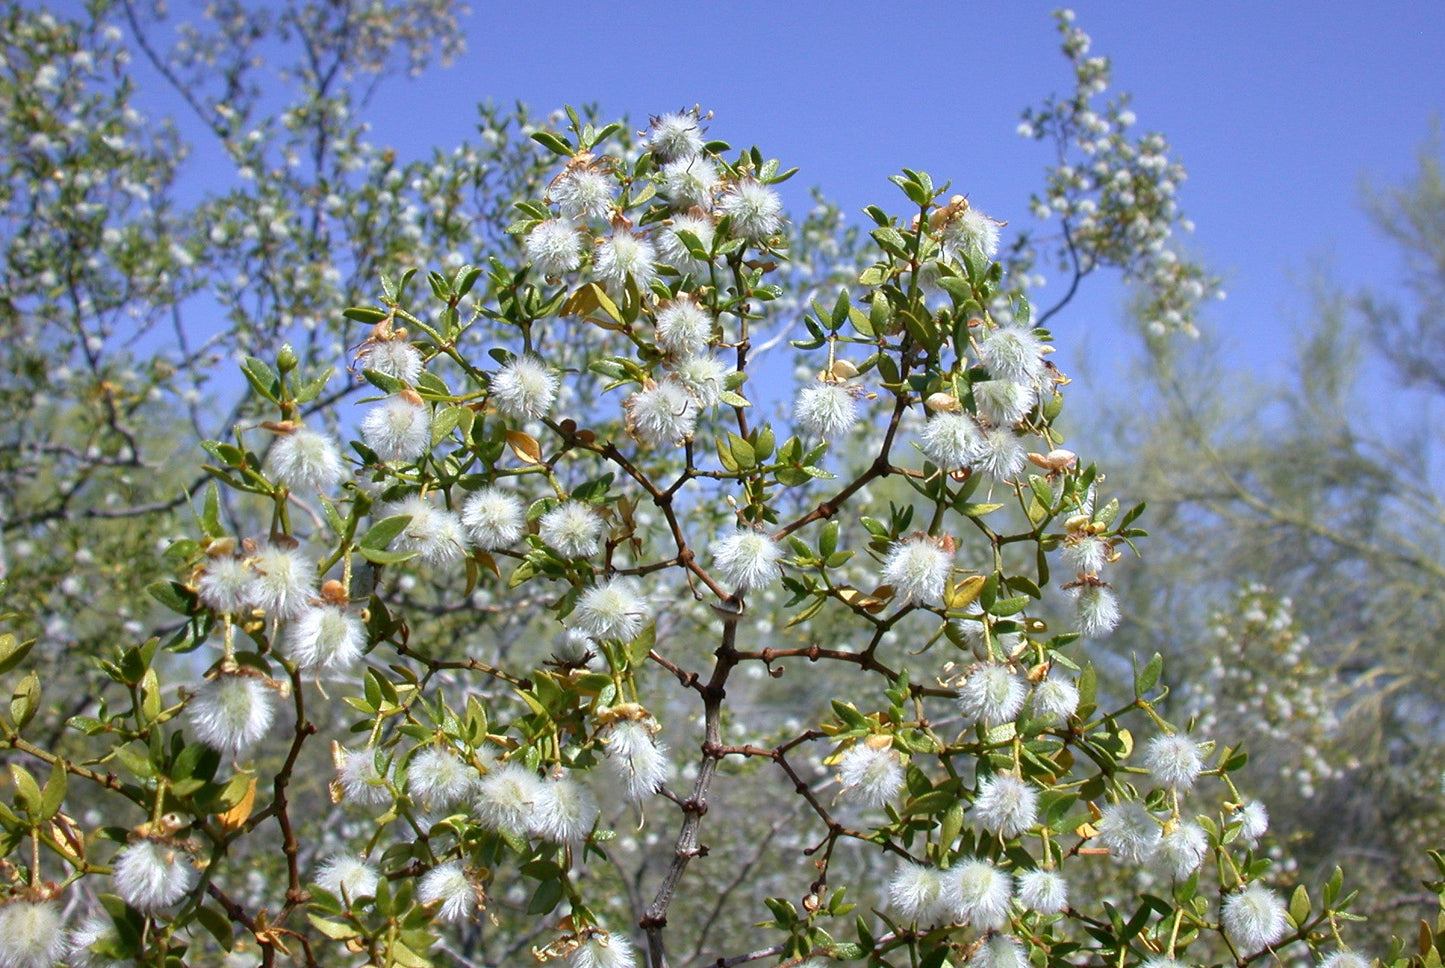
<point>597,443</point>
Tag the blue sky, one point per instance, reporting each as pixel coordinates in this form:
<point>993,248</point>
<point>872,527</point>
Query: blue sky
<point>1279,110</point>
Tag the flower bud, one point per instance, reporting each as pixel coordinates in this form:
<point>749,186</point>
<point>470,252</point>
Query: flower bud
<point>286,359</point>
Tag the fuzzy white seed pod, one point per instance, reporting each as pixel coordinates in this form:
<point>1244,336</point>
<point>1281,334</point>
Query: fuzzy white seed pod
<point>151,874</point>
<point>991,695</point>
<point>1096,609</point>
<point>674,136</point>
<point>1055,700</point>
<point>1344,958</point>
<point>226,584</point>
<point>1044,891</point>
<point>448,886</point>
<point>623,256</point>
<point>871,772</point>
<point>1173,761</point>
<point>613,610</point>
<point>495,518</point>
<point>1004,403</point>
<point>32,934</point>
<point>756,210</point>
<point>918,569</point>
<point>398,428</point>
<point>689,182</point>
<point>1253,822</point>
<point>583,192</point>
<point>748,559</point>
<point>1253,918</point>
<point>358,779</point>
<point>684,328</point>
<point>999,951</point>
<point>306,460</point>
<point>705,377</point>
<point>285,581</point>
<point>916,893</point>
<point>573,529</point>
<point>564,810</point>
<point>1181,848</point>
<point>437,778</point>
<point>1001,454</point>
<point>635,756</point>
<point>554,247</point>
<point>675,252</point>
<point>94,929</point>
<point>1130,832</point>
<point>951,440</point>
<point>1012,353</point>
<point>826,410</point>
<point>1006,805</point>
<point>347,876</point>
<point>395,358</point>
<point>979,894</point>
<point>326,638</point>
<point>601,949</point>
<point>231,712</point>
<point>434,533</point>
<point>524,388</point>
<point>662,415</point>
<point>507,797</point>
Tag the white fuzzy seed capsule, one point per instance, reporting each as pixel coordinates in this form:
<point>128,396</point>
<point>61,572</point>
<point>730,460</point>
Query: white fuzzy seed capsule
<point>347,876</point>
<point>601,949</point>
<point>448,886</point>
<point>437,778</point>
<point>306,460</point>
<point>231,712</point>
<point>916,893</point>
<point>326,638</point>
<point>979,894</point>
<point>524,388</point>
<point>152,874</point>
<point>494,518</point>
<point>32,934</point>
<point>635,757</point>
<point>1173,761</point>
<point>613,610</point>
<point>573,529</point>
<point>871,772</point>
<point>826,409</point>
<point>748,559</point>
<point>1253,918</point>
<point>398,428</point>
<point>991,695</point>
<point>1006,805</point>
<point>1130,832</point>
<point>1044,891</point>
<point>918,569</point>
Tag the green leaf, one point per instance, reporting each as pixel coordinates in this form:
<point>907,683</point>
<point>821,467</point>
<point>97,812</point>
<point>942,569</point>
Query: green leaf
<point>27,791</point>
<point>173,595</point>
<point>13,651</point>
<point>554,143</point>
<point>211,513</point>
<point>262,378</point>
<point>1008,606</point>
<point>365,314</point>
<point>1299,906</point>
<point>25,701</point>
<point>1148,677</point>
<point>742,451</point>
<point>547,896</point>
<point>380,534</point>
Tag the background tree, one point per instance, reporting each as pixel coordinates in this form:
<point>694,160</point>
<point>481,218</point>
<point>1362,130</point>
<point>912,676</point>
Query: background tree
<point>1324,490</point>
